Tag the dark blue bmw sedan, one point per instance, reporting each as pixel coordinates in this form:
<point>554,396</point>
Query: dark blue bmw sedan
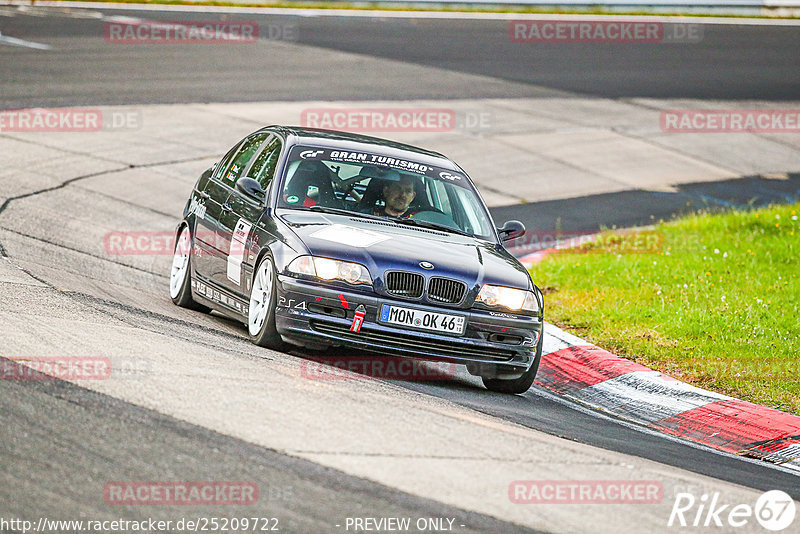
<point>320,238</point>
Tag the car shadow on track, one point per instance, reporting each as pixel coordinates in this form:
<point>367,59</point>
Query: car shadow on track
<point>342,363</point>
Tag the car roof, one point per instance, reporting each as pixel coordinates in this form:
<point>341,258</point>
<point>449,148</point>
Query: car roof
<point>297,135</point>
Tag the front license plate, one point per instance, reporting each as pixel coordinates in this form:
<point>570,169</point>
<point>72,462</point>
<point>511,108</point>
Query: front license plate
<point>423,320</point>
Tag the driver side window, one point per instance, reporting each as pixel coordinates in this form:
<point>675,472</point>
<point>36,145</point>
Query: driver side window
<point>222,166</point>
<point>236,167</point>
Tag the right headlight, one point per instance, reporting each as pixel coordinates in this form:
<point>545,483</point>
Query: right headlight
<point>509,298</point>
<point>329,269</point>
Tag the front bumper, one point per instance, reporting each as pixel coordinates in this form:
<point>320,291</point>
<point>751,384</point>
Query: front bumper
<point>309,313</point>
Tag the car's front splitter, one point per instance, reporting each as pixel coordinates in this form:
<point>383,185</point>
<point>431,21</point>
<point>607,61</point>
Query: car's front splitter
<point>313,314</point>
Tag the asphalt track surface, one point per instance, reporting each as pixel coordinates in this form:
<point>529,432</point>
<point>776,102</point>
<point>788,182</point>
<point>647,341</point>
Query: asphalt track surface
<point>730,62</point>
<point>59,436</point>
<point>87,439</point>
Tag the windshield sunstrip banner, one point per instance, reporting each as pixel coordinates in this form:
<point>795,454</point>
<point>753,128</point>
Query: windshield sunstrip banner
<point>381,161</point>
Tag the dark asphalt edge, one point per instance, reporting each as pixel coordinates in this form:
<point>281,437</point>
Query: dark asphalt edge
<point>638,207</point>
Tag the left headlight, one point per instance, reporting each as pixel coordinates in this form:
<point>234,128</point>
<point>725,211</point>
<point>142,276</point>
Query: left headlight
<point>329,269</point>
<point>508,297</point>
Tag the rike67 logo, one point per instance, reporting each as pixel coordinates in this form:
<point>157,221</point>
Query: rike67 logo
<point>774,511</point>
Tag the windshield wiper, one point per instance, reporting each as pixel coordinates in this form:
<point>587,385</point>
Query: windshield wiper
<point>337,211</point>
<point>400,220</point>
<point>431,225</point>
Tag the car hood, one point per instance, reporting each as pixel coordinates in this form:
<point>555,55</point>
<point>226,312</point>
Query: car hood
<point>383,246</point>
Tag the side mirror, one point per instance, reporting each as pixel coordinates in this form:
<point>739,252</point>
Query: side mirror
<point>251,189</point>
<point>511,230</point>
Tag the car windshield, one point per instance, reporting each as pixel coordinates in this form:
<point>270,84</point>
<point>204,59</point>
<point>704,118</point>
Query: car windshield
<point>374,185</point>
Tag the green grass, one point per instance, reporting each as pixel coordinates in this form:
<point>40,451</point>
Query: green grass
<point>712,299</point>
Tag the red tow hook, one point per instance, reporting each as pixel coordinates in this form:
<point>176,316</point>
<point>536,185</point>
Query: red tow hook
<point>358,319</point>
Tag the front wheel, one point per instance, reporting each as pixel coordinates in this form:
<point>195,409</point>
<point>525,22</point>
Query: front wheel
<point>261,313</point>
<point>517,385</point>
<point>180,276</point>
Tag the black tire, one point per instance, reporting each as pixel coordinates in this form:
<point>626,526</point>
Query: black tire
<point>184,296</point>
<point>267,334</point>
<point>519,385</point>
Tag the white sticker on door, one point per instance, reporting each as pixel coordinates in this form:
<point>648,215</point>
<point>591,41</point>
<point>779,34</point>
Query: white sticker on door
<point>236,253</point>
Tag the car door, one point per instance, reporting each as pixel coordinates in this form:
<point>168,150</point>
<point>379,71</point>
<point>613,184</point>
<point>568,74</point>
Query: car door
<point>246,213</point>
<point>211,194</point>
<point>228,221</point>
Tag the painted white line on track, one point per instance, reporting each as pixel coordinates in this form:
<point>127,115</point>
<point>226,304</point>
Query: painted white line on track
<point>647,396</point>
<point>13,41</point>
<point>123,19</point>
<point>376,13</point>
<point>556,339</point>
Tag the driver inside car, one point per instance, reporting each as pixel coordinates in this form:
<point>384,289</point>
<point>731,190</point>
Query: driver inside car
<point>398,195</point>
